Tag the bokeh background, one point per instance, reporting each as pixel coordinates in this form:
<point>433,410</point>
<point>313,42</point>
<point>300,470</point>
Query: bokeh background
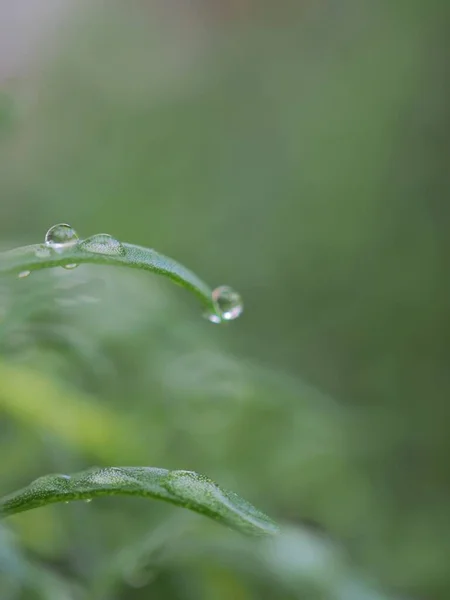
<point>297,150</point>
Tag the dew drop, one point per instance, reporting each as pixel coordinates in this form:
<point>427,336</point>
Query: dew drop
<point>71,266</point>
<point>213,317</point>
<point>228,304</point>
<point>103,243</point>
<point>61,236</point>
<point>23,274</point>
<point>88,500</point>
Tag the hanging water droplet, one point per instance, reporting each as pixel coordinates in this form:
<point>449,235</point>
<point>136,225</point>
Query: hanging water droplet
<point>61,236</point>
<point>228,304</point>
<point>213,317</point>
<point>103,243</point>
<point>23,274</point>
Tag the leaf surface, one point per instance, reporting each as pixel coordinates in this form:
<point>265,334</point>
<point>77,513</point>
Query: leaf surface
<point>182,488</point>
<point>38,256</point>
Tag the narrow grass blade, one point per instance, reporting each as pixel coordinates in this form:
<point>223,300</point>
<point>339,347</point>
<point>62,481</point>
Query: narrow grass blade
<point>38,256</point>
<point>183,488</point>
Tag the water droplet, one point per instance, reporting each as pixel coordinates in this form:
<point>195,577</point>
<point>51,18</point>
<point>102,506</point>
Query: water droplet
<point>88,500</point>
<point>66,502</point>
<point>23,274</point>
<point>71,266</point>
<point>213,317</point>
<point>61,236</point>
<point>103,243</point>
<point>228,304</point>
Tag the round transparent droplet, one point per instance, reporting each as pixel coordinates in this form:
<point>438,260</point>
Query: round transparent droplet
<point>103,243</point>
<point>23,274</point>
<point>61,236</point>
<point>228,304</point>
<point>70,266</point>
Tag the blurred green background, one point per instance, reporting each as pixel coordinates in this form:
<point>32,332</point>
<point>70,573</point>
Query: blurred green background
<point>298,151</point>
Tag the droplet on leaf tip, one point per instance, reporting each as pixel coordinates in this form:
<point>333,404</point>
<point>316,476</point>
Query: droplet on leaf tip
<point>228,303</point>
<point>213,317</point>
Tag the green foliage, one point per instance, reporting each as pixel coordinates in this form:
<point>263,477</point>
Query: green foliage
<point>299,151</point>
<point>183,488</point>
<point>37,257</point>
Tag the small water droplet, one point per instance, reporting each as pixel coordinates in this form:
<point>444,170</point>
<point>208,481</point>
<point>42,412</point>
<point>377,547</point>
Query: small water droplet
<point>23,274</point>
<point>61,236</point>
<point>88,500</point>
<point>228,304</point>
<point>66,502</point>
<point>213,317</point>
<point>70,266</point>
<point>103,243</point>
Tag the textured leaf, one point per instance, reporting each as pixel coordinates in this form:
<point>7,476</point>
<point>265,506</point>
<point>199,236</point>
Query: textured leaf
<point>36,257</point>
<point>183,488</point>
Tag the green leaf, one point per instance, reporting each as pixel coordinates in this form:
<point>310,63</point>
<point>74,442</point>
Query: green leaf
<point>38,256</point>
<point>183,488</point>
